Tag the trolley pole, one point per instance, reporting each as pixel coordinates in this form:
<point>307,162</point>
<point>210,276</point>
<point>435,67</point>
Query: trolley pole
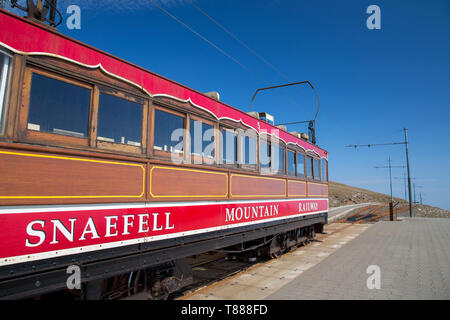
<point>409,174</point>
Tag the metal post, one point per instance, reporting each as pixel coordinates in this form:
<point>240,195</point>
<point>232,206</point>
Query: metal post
<point>391,204</point>
<point>390,178</point>
<point>409,173</point>
<point>406,187</point>
<point>391,211</point>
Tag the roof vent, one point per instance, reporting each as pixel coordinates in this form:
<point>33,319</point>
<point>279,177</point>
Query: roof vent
<point>213,95</point>
<point>254,114</point>
<point>267,117</point>
<point>304,136</point>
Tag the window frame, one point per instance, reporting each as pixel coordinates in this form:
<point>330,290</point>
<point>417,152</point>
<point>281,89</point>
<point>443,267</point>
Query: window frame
<point>161,153</point>
<point>295,163</point>
<point>6,93</point>
<point>323,160</point>
<point>281,145</point>
<point>200,159</point>
<point>313,158</point>
<point>222,161</point>
<point>114,146</point>
<point>241,150</point>
<point>305,173</point>
<point>319,176</point>
<point>309,175</point>
<point>49,137</point>
<point>267,169</point>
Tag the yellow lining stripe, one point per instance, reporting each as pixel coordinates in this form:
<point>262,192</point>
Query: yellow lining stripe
<point>255,177</point>
<point>319,184</point>
<point>75,159</point>
<point>188,196</point>
<point>297,195</point>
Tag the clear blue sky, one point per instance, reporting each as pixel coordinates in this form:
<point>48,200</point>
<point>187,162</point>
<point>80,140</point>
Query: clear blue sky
<point>372,83</point>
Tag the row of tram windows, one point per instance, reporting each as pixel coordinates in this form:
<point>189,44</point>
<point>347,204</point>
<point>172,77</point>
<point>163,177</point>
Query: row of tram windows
<point>174,132</point>
<point>64,110</point>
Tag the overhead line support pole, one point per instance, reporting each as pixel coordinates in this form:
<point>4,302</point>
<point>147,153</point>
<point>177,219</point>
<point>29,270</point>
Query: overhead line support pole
<point>409,175</point>
<point>407,163</point>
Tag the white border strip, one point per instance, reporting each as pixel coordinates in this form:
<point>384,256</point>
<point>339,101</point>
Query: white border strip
<point>64,252</point>
<point>88,207</point>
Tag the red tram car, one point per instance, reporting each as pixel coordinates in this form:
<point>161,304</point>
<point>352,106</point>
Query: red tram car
<point>104,166</point>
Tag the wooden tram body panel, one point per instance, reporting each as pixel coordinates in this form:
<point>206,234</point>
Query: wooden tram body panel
<point>62,197</point>
<point>36,177</point>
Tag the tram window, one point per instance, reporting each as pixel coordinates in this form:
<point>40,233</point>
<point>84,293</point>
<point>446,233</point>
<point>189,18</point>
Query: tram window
<point>265,154</point>
<point>168,127</point>
<point>228,147</point>
<point>309,167</point>
<point>278,161</point>
<point>58,107</point>
<point>316,168</point>
<point>291,163</point>
<point>324,170</point>
<point>119,120</point>
<point>202,140</point>
<point>300,165</point>
<point>249,150</point>
<point>4,68</point>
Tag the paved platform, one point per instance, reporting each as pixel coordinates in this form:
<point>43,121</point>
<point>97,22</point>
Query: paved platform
<point>413,257</point>
<point>264,279</point>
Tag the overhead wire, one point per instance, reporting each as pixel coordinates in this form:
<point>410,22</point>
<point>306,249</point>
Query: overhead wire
<point>261,58</point>
<point>216,47</point>
<point>241,42</point>
<point>207,41</point>
<point>244,44</point>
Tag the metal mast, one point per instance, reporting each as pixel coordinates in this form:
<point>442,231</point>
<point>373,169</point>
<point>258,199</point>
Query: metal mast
<point>409,174</point>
